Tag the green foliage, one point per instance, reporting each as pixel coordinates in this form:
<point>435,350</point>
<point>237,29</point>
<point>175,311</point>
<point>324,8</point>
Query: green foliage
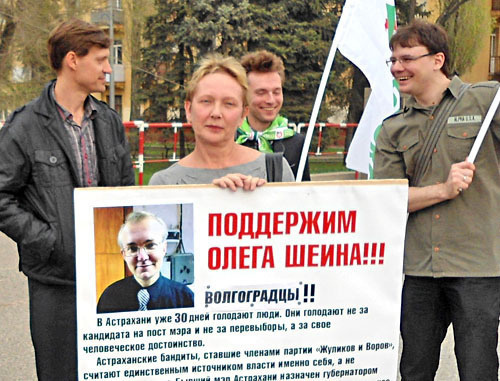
<point>405,10</point>
<point>177,36</point>
<point>467,29</point>
<point>182,32</point>
<point>301,33</point>
<point>31,22</point>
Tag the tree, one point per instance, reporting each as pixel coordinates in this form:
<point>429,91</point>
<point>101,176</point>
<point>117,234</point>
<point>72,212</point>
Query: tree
<point>7,29</point>
<point>407,10</point>
<point>449,8</point>
<point>300,33</point>
<point>136,14</point>
<point>181,32</point>
<point>468,24</point>
<point>23,59</point>
<point>177,35</point>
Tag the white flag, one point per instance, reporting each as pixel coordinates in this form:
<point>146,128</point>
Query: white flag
<point>364,30</point>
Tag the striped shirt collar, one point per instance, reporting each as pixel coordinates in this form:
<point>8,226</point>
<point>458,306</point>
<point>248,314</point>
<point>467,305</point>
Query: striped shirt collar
<point>90,108</point>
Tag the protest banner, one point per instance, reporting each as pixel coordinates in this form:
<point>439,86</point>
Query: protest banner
<point>291,281</point>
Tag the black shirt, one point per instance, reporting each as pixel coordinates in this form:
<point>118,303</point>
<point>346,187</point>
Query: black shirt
<point>291,148</point>
<point>164,293</point>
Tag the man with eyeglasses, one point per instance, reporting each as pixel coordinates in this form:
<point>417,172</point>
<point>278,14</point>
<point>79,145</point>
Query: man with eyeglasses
<point>142,239</point>
<point>452,246</point>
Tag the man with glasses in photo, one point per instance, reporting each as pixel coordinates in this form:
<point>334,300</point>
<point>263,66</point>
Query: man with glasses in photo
<point>142,240</point>
<point>452,246</point>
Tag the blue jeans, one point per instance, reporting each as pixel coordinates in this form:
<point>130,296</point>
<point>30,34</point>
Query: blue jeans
<point>429,305</point>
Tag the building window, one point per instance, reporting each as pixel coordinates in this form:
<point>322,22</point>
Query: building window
<point>118,104</point>
<point>117,53</point>
<point>493,52</point>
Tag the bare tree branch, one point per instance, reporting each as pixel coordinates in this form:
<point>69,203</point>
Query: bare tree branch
<point>6,37</point>
<point>451,8</point>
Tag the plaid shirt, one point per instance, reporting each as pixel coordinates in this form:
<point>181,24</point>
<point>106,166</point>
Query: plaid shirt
<point>82,141</point>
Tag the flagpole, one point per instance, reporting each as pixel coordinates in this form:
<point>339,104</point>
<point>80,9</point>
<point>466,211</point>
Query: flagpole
<point>484,127</point>
<point>317,104</point>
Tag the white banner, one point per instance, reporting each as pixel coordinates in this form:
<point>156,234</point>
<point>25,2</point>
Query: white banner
<point>363,32</point>
<point>290,281</point>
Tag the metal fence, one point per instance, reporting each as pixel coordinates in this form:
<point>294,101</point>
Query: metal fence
<point>172,151</point>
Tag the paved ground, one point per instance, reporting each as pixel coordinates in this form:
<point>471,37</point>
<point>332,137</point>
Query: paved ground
<point>17,361</point>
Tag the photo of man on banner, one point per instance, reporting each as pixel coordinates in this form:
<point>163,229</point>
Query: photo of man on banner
<point>269,276</point>
<point>143,245</point>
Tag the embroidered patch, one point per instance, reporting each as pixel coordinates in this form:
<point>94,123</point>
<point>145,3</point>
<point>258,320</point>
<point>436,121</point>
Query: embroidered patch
<point>459,119</point>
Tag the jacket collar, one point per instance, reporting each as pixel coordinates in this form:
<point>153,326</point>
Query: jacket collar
<point>45,106</point>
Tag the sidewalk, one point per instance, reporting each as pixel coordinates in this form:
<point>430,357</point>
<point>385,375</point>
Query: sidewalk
<point>17,360</point>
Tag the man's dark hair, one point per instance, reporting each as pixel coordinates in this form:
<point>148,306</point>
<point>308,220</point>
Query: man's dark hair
<point>263,61</point>
<point>420,32</point>
<point>74,36</point>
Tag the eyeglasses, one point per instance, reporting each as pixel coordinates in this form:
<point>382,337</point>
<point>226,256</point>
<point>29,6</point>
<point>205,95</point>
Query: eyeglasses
<point>405,60</point>
<point>133,250</point>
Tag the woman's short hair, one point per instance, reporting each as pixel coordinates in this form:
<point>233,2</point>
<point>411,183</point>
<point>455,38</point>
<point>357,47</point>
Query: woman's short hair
<point>216,63</point>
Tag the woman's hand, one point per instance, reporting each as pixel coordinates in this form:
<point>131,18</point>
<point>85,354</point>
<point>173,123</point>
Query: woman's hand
<point>237,180</point>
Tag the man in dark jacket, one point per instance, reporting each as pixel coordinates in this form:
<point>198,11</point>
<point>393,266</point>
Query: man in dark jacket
<point>264,129</point>
<point>62,140</point>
